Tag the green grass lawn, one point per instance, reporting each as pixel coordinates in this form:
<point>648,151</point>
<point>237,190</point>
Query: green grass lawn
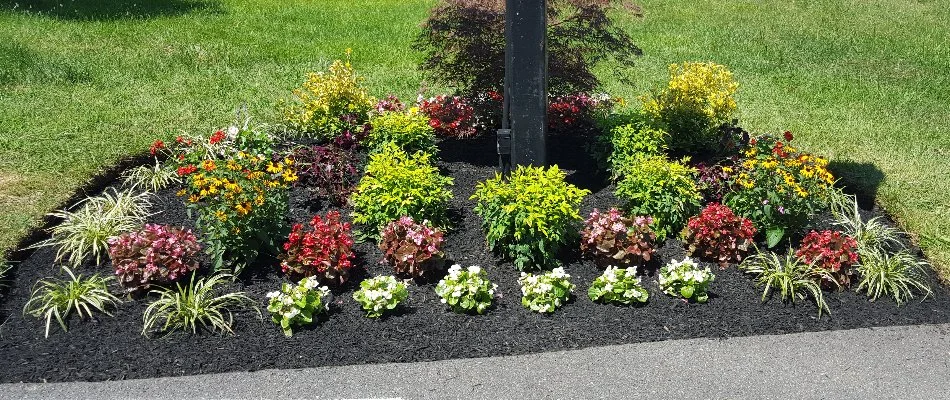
<point>89,81</point>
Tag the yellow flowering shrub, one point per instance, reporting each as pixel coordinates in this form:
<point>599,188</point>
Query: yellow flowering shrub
<point>697,100</point>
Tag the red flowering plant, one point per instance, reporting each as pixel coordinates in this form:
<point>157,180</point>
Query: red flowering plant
<point>329,172</point>
<point>614,240</point>
<point>570,112</point>
<point>155,255</point>
<point>718,234</point>
<point>412,248</point>
<point>326,252</point>
<point>450,116</point>
<point>832,251</point>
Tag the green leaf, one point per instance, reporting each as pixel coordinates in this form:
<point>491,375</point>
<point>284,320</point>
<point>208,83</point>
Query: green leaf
<point>686,291</point>
<point>773,236</point>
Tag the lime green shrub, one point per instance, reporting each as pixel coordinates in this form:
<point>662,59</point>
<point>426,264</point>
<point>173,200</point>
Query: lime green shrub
<point>408,130</point>
<point>663,189</point>
<point>632,142</point>
<point>329,102</point>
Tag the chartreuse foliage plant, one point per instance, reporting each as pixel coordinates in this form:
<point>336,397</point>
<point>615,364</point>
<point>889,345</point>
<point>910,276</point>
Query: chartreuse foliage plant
<point>696,101</point>
<point>57,298</point>
<point>897,275</point>
<point>297,305</point>
<point>547,291</point>
<point>790,276</point>
<point>409,130</point>
<point>618,286</point>
<point>530,215</point>
<point>400,184</point>
<point>662,189</point>
<point>466,290</point>
<point>329,103</point>
<point>685,279</point>
<point>380,294</point>
<point>632,142</point>
<point>195,306</point>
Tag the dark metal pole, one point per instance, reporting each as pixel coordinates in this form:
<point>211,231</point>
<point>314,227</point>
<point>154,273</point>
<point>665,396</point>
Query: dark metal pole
<point>526,71</point>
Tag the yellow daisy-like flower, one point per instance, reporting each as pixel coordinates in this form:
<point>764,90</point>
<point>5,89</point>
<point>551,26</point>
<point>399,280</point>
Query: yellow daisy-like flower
<point>221,215</point>
<point>193,198</point>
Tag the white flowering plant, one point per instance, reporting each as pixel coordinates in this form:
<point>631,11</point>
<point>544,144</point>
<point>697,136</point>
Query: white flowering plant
<point>686,279</point>
<point>380,294</point>
<point>620,286</point>
<point>546,292</point>
<point>466,289</point>
<point>296,305</point>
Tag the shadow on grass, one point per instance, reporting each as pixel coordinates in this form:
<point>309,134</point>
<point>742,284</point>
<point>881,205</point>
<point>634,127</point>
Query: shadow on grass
<point>103,10</point>
<point>860,179</point>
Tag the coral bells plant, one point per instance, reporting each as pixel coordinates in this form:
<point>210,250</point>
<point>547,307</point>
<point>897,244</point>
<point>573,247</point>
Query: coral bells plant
<point>612,239</point>
<point>718,234</point>
<point>466,290</point>
<point>157,254</point>
<point>450,116</point>
<point>685,279</point>
<point>619,286</point>
<point>297,305</point>
<point>832,251</point>
<point>325,253</point>
<point>412,248</point>
<point>380,294</point>
<point>329,172</point>
<point>546,292</point>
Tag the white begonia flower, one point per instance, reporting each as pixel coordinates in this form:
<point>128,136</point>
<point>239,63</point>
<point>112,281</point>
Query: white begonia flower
<point>475,269</point>
<point>293,312</point>
<point>455,269</point>
<point>631,271</point>
<point>457,293</point>
<point>545,287</point>
<point>232,132</point>
<point>442,300</point>
<point>310,284</point>
<point>608,287</point>
<point>286,300</point>
<point>388,295</point>
<point>273,294</point>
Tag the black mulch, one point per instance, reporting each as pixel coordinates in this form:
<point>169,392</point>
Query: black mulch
<point>113,348</point>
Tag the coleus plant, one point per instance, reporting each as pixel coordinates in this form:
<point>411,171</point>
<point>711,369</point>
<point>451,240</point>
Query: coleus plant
<point>157,254</point>
<point>325,253</point>
<point>832,251</point>
<point>330,172</point>
<point>412,248</point>
<point>612,239</point>
<point>718,234</point>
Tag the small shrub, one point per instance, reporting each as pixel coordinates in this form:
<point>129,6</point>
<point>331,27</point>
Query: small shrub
<point>390,104</point>
<point>151,178</point>
<point>449,116</point>
<point>631,143</point>
<point>466,290</point>
<point>612,239</point>
<point>329,103</point>
<point>325,253</point>
<point>619,286</point>
<point>529,216</point>
<point>696,101</point>
<point>685,279</point>
<point>897,275</point>
<point>662,189</point>
<point>55,298</point>
<point>297,305</point>
<point>329,172</point>
<point>718,234</point>
<point>408,130</point>
<point>157,254</point>
<point>873,235</point>
<point>397,184</point>
<point>380,294</point>
<point>413,249</point>
<point>193,307</point>
<point>793,278</point>
<point>546,292</point>
<point>832,251</point>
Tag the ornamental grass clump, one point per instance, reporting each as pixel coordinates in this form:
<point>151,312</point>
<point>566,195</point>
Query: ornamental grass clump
<point>58,298</point>
<point>328,172</point>
<point>297,305</point>
<point>873,235</point>
<point>546,292</point>
<point>413,249</point>
<point>400,184</point>
<point>380,294</point>
<point>329,103</point>
<point>897,275</point>
<point>151,178</point>
<point>155,255</point>
<point>466,290</point>
<point>832,251</point>
<point>790,276</point>
<point>618,286</point>
<point>719,235</point>
<point>662,189</point>
<point>408,130</point>
<point>449,116</point>
<point>195,306</point>
<point>614,240</point>
<point>530,215</point>
<point>686,280</point>
<point>324,253</point>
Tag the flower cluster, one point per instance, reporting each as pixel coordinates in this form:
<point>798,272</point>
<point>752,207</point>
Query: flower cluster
<point>466,290</point>
<point>450,116</point>
<point>546,292</point>
<point>620,286</point>
<point>567,112</point>
<point>612,239</point>
<point>296,305</point>
<point>329,102</point>
<point>718,234</point>
<point>325,253</point>
<point>686,279</point>
<point>380,294</point>
<point>330,172</point>
<point>390,104</point>
<point>412,248</point>
<point>832,251</point>
<point>157,254</point>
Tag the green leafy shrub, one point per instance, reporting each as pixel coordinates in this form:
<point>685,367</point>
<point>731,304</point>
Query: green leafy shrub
<point>297,305</point>
<point>380,294</point>
<point>546,292</point>
<point>898,275</point>
<point>619,286</point>
<point>193,307</point>
<point>631,143</point>
<point>530,215</point>
<point>408,130</point>
<point>662,189</point>
<point>398,184</point>
<point>685,279</point>
<point>55,298</point>
<point>792,277</point>
<point>466,290</point>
